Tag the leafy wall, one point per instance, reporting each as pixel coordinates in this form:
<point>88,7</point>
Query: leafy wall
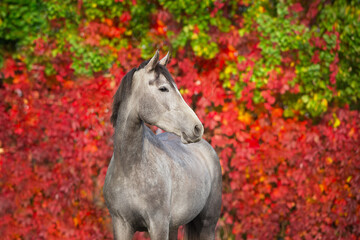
<point>276,84</point>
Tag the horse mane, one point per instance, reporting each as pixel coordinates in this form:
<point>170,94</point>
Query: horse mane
<point>125,87</point>
<point>123,90</point>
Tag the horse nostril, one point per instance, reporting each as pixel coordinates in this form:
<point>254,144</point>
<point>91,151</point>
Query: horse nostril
<point>197,131</point>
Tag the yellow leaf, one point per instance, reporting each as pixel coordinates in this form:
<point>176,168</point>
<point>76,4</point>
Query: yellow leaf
<point>315,97</point>
<point>244,117</point>
<point>348,179</point>
<point>324,102</point>
<point>336,121</point>
<point>183,91</point>
<point>76,221</point>
<point>194,36</point>
<point>329,160</point>
<point>247,175</point>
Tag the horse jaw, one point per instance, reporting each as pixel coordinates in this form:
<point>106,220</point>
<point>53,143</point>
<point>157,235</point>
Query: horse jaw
<point>191,130</point>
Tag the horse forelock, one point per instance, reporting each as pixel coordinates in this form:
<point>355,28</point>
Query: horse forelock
<point>124,89</point>
<point>160,69</point>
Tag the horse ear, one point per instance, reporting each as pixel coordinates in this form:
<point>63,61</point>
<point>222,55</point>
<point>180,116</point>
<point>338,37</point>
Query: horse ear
<point>153,61</point>
<point>165,60</point>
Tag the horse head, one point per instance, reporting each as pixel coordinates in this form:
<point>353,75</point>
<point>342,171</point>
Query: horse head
<point>160,103</point>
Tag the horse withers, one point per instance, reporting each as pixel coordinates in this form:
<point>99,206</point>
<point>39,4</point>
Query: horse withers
<point>156,183</point>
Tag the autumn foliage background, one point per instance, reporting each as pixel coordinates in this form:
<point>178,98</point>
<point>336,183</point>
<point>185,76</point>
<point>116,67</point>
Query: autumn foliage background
<point>275,83</point>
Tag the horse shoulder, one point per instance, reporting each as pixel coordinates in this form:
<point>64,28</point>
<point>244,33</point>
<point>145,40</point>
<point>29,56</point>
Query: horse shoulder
<point>207,155</point>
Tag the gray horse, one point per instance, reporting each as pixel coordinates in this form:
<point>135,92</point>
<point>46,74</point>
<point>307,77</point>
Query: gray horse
<point>156,183</point>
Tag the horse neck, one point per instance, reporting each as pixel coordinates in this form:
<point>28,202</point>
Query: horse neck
<point>128,138</point>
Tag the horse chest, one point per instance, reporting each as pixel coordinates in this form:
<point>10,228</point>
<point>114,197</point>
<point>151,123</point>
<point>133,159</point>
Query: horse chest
<point>134,191</point>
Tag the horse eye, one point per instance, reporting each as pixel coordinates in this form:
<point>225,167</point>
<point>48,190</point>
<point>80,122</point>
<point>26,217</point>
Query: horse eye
<point>163,89</point>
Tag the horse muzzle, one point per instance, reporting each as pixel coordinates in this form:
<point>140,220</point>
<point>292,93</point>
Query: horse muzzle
<point>192,136</point>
